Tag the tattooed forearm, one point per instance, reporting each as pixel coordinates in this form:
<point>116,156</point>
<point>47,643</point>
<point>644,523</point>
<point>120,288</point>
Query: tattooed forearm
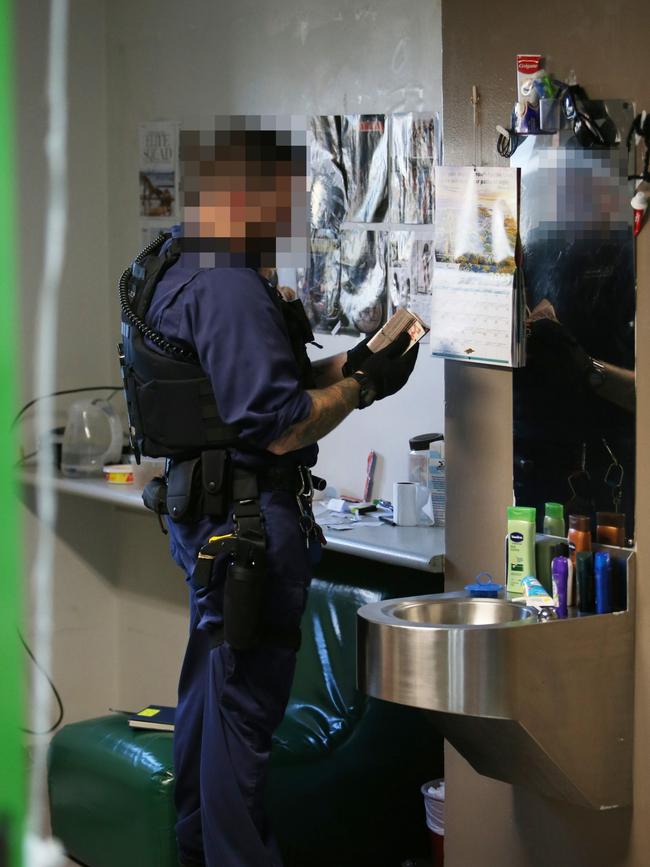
<point>329,407</point>
<point>327,371</point>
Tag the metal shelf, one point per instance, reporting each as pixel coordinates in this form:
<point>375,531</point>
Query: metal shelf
<point>420,548</point>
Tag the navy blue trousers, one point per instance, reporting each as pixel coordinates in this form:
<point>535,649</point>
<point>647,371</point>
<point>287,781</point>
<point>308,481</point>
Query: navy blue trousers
<point>230,703</point>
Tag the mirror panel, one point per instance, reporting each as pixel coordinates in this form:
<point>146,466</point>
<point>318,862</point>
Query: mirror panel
<point>574,422</point>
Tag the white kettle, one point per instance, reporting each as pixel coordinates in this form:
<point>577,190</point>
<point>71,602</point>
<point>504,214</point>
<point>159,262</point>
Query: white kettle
<point>93,437</point>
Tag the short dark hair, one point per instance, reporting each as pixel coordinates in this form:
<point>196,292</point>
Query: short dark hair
<point>258,153</point>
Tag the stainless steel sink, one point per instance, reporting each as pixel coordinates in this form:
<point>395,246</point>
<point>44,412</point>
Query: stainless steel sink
<point>443,652</point>
<point>541,704</point>
<point>459,611</point>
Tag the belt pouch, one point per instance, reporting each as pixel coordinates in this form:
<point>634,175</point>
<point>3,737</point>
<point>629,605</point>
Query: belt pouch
<point>180,490</point>
<point>215,482</point>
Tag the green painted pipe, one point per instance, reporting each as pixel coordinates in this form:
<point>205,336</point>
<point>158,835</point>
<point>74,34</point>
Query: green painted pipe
<point>12,791</point>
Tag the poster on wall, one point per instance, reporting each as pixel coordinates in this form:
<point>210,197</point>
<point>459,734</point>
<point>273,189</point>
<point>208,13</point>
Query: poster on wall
<point>476,299</point>
<point>410,273</point>
<point>344,286</point>
<point>364,145</point>
<point>319,287</point>
<point>414,153</point>
<point>158,176</point>
<point>327,195</point>
<point>363,281</point>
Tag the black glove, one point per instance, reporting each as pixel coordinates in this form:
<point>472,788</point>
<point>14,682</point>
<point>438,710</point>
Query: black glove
<point>556,358</point>
<point>389,369</point>
<point>356,356</point>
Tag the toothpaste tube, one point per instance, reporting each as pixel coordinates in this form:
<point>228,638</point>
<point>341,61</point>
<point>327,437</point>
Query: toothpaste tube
<point>530,70</point>
<point>536,595</point>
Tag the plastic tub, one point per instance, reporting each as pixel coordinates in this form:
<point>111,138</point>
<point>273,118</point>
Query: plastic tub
<point>434,805</point>
<point>119,474</point>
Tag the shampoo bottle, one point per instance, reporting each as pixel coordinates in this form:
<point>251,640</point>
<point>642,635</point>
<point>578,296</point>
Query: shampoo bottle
<point>585,582</point>
<point>554,519</point>
<point>603,582</point>
<point>560,572</point>
<point>562,550</point>
<point>521,546</point>
<point>579,535</point>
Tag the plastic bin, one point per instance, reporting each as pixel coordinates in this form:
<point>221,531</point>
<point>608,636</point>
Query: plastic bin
<point>434,805</point>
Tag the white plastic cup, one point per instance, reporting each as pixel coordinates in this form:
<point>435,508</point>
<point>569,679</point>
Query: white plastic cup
<point>405,512</point>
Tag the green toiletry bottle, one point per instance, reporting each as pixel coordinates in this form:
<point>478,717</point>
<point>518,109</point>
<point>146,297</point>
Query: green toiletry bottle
<point>521,546</point>
<point>554,520</point>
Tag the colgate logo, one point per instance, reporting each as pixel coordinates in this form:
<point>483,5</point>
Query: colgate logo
<point>528,63</point>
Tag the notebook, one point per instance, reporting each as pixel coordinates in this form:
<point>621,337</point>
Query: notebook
<point>154,716</point>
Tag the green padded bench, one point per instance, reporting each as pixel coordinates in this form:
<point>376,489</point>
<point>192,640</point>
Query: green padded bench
<point>345,772</point>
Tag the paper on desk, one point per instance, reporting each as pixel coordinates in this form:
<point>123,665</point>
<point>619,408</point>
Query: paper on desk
<point>333,520</point>
<point>352,525</point>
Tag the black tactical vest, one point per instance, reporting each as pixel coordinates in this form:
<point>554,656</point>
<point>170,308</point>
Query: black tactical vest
<point>172,409</point>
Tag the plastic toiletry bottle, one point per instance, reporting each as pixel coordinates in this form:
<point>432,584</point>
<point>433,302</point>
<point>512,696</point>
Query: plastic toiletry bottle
<point>579,535</point>
<point>585,582</point>
<point>544,553</point>
<point>610,528</point>
<point>554,519</point>
<point>438,481</point>
<point>427,467</point>
<point>603,582</point>
<point>560,572</point>
<point>419,457</point>
<point>562,550</point>
<point>521,546</point>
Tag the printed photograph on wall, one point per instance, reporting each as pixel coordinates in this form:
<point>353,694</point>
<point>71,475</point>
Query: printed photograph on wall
<point>410,273</point>
<point>157,194</point>
<point>414,153</point>
<point>363,281</point>
<point>158,175</point>
<point>365,159</point>
<point>476,218</point>
<point>327,195</point>
<point>319,286</point>
<point>353,281</point>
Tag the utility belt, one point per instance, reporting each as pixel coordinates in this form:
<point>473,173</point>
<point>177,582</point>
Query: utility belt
<point>211,485</point>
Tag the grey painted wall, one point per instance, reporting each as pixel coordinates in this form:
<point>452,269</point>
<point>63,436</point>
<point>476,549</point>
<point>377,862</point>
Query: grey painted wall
<point>85,341</point>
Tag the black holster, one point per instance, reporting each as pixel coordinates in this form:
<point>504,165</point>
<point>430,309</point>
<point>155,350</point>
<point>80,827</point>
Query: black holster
<point>243,605</point>
<point>246,583</point>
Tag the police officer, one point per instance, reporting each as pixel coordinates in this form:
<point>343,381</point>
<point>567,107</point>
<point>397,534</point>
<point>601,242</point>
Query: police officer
<point>212,300</point>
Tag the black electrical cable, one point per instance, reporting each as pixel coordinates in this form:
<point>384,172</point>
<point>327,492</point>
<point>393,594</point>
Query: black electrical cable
<point>114,389</point>
<point>131,316</point>
<point>641,129</point>
<point>59,701</point>
<point>507,142</point>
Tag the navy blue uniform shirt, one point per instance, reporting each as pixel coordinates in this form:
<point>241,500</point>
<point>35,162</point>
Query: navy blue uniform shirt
<point>231,320</point>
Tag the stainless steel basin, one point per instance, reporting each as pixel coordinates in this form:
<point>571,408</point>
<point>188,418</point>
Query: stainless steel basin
<point>459,611</point>
<point>544,705</point>
<point>444,652</point>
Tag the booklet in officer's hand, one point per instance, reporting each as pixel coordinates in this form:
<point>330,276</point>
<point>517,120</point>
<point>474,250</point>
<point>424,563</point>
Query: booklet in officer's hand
<point>402,320</point>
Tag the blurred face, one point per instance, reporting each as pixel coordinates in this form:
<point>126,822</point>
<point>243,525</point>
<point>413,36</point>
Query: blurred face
<point>242,200</point>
